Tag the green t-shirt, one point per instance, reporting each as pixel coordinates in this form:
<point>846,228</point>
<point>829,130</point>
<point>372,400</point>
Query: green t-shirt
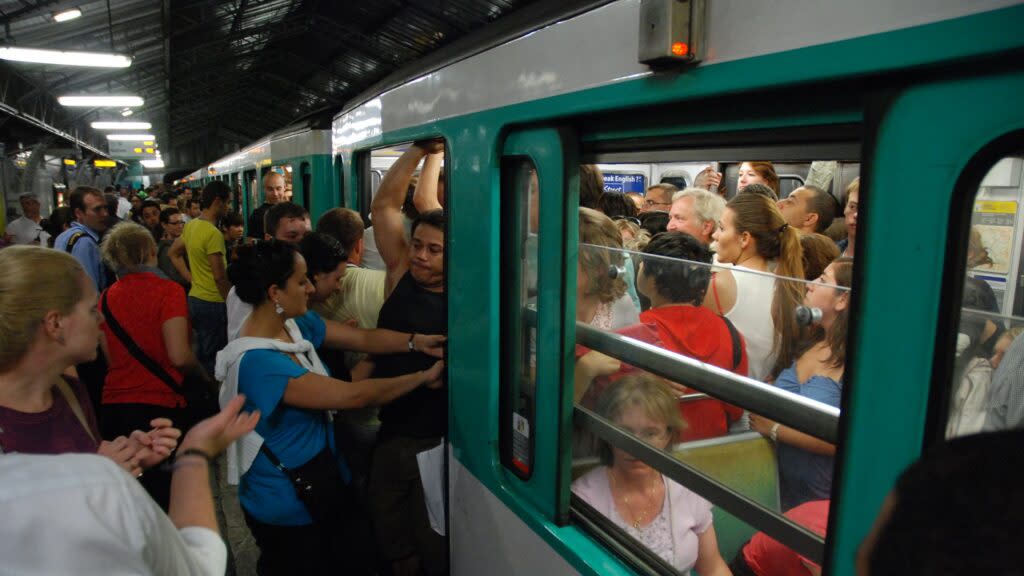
<point>202,240</point>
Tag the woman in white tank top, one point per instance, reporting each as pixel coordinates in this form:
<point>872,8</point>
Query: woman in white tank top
<point>754,238</point>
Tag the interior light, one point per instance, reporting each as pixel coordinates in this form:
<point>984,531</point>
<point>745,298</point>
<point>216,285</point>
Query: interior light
<point>65,58</point>
<point>138,150</point>
<point>104,163</point>
<point>67,15</point>
<point>127,112</point>
<point>130,137</point>
<point>680,48</point>
<point>121,125</point>
<point>155,163</point>
<point>93,101</point>
<point>149,150</point>
<point>69,162</point>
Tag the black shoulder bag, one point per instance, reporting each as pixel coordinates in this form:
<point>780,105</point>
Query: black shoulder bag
<point>317,483</point>
<point>200,400</point>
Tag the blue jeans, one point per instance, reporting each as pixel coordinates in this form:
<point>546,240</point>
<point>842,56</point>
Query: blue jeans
<point>210,321</point>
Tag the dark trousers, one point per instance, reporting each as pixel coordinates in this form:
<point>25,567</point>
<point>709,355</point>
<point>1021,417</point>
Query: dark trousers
<point>291,550</point>
<point>122,419</point>
<point>397,503</point>
<point>210,322</point>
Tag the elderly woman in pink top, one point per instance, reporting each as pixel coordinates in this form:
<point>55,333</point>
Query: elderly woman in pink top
<point>667,518</point>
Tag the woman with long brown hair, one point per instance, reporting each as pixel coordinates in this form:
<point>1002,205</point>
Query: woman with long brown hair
<point>763,249</point>
<point>805,462</point>
<point>757,173</point>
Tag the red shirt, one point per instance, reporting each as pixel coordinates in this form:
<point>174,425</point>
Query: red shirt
<point>141,303</point>
<point>767,557</point>
<point>696,332</point>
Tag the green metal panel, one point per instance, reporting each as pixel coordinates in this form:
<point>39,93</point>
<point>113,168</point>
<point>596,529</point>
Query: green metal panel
<point>905,207</point>
<point>322,182</point>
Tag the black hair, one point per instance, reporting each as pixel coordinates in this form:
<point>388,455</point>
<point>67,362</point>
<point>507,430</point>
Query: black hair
<point>615,205</point>
<point>435,218</point>
<point>322,253</point>
<point>60,217</point>
<point>111,200</point>
<point>823,204</point>
<point>149,204</point>
<point>166,213</point>
<point>213,191</point>
<point>680,282</point>
<point>195,200</point>
<point>232,219</point>
<point>654,222</point>
<point>108,189</point>
<point>762,190</point>
<point>260,266</point>
<point>957,511</point>
<point>279,212</point>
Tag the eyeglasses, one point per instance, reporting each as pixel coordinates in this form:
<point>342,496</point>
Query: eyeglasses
<point>649,202</point>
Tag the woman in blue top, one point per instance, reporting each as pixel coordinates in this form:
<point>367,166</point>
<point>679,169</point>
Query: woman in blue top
<point>805,462</point>
<point>274,363</point>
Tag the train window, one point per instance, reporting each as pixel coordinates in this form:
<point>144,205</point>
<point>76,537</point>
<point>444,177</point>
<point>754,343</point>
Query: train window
<point>520,226</point>
<point>986,388</point>
<point>339,180</point>
<point>710,361</point>
<point>380,162</point>
<point>285,170</point>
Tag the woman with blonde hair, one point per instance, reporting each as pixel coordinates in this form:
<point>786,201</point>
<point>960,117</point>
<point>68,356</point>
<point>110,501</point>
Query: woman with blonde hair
<point>763,250</point>
<point>48,324</point>
<point>146,341</point>
<point>601,295</point>
<point>664,516</point>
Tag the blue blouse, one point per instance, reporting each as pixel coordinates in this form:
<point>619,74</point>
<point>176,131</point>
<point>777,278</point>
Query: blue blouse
<point>803,475</point>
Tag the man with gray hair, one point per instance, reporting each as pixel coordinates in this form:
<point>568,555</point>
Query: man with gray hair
<point>696,212</point>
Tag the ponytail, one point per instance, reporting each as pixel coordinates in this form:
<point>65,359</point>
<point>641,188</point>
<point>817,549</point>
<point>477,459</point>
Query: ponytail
<point>776,240</point>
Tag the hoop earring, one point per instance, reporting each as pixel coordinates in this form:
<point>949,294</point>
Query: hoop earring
<point>278,308</point>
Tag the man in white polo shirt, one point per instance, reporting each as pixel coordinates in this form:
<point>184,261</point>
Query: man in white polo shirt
<point>26,229</point>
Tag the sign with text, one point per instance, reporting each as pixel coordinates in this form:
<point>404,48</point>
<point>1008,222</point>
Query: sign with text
<point>624,183</point>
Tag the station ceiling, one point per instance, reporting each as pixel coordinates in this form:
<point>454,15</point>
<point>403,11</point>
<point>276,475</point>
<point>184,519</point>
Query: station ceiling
<point>218,75</point>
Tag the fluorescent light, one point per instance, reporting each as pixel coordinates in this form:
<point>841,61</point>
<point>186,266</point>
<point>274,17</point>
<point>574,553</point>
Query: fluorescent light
<point>67,15</point>
<point>65,58</point>
<point>100,101</point>
<point>121,125</point>
<point>130,137</point>
<point>127,112</point>
<point>155,163</point>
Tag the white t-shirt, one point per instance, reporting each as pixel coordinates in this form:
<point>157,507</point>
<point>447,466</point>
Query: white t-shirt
<point>124,206</point>
<point>27,231</point>
<point>238,313</point>
<point>82,514</point>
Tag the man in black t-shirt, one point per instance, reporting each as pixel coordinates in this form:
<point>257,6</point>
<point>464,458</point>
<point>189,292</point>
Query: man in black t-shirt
<point>415,301</point>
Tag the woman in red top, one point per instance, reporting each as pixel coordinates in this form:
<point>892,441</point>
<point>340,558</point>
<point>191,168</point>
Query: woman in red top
<point>153,311</point>
<point>674,274</point>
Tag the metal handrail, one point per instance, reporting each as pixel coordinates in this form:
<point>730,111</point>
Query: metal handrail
<point>815,418</point>
<point>789,533</point>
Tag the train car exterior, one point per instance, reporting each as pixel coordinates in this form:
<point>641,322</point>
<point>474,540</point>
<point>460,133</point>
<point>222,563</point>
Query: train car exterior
<point>886,85</point>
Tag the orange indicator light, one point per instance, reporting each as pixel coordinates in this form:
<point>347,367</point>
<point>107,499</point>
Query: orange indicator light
<point>680,48</point>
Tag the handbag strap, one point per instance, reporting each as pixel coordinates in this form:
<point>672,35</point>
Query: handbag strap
<point>75,405</point>
<point>277,463</point>
<point>737,343</point>
<point>137,352</point>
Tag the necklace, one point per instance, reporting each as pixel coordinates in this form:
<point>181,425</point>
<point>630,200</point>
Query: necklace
<point>638,518</point>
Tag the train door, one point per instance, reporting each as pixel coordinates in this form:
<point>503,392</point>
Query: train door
<point>252,192</point>
<point>339,181</point>
<point>539,184</point>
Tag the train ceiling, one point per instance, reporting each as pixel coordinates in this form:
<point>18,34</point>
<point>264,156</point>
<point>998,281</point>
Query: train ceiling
<point>218,75</point>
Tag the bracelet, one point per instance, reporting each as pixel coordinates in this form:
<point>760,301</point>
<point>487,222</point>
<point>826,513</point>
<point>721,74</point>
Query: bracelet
<point>773,434</point>
<point>412,347</point>
<point>194,452</point>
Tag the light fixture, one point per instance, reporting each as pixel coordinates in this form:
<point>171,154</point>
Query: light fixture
<point>65,58</point>
<point>67,15</point>
<point>127,112</point>
<point>93,101</point>
<point>104,164</point>
<point>155,163</point>
<point>130,137</point>
<point>121,125</point>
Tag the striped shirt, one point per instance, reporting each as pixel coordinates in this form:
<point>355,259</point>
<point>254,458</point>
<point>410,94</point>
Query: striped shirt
<point>1006,395</point>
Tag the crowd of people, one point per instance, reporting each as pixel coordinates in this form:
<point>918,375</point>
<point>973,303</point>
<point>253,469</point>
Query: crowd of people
<point>313,354</point>
<point>721,281</point>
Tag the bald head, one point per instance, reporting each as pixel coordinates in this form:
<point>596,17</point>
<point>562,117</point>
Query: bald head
<point>273,187</point>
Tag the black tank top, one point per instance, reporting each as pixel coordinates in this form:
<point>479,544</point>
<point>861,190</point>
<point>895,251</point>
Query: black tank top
<point>423,412</point>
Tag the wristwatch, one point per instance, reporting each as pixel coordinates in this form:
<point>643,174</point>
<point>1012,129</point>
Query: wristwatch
<point>412,347</point>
